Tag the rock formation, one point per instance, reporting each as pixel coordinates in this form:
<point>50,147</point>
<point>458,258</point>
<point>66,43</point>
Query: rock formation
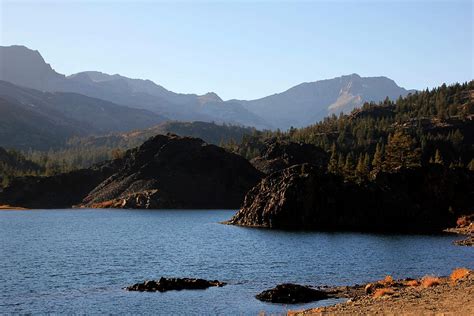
<point>278,155</point>
<point>291,294</point>
<point>174,284</point>
<point>167,171</point>
<point>304,197</point>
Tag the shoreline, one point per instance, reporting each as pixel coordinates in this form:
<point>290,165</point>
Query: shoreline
<point>12,208</point>
<point>429,295</point>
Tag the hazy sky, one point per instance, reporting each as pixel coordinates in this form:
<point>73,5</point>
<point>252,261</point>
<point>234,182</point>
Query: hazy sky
<point>248,49</point>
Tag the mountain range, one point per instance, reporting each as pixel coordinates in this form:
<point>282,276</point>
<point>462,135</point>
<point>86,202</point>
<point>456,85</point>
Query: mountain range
<point>34,98</point>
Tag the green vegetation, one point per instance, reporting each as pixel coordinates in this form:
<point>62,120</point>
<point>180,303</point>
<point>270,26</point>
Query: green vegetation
<point>434,126</point>
<point>83,152</point>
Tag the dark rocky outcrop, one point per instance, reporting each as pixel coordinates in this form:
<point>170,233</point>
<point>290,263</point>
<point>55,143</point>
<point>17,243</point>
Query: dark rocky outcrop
<point>278,155</point>
<point>169,171</point>
<point>292,294</point>
<point>304,197</point>
<point>174,284</point>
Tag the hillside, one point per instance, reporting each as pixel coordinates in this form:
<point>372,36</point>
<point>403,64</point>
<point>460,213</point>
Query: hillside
<point>301,105</point>
<point>13,164</point>
<point>27,68</point>
<point>43,120</point>
<point>167,171</point>
<point>407,165</point>
<point>310,102</point>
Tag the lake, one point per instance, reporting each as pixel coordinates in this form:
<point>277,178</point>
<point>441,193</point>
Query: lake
<point>78,261</point>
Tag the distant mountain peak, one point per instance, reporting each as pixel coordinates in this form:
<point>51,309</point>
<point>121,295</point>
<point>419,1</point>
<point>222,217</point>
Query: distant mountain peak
<point>209,97</point>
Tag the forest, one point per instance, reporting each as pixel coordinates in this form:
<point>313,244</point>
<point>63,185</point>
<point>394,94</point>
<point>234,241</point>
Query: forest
<point>431,126</point>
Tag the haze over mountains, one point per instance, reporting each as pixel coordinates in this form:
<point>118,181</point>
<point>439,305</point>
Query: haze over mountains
<point>92,102</point>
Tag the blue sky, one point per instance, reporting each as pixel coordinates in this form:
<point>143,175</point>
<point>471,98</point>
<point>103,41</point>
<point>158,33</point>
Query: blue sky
<point>249,49</point>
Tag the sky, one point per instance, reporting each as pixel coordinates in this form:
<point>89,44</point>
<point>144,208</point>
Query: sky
<point>248,49</point>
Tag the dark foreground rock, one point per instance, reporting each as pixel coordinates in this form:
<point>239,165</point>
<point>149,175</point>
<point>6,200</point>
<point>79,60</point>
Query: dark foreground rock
<point>304,197</point>
<point>278,155</point>
<point>292,294</point>
<point>174,284</point>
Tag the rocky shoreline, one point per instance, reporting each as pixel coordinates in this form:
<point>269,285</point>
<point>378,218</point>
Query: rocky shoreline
<point>465,227</point>
<point>428,295</point>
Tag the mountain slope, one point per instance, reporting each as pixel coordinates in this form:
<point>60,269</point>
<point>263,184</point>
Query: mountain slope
<point>41,120</point>
<point>308,103</point>
<point>27,68</point>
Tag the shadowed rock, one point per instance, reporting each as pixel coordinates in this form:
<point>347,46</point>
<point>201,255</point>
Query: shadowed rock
<point>174,284</point>
<point>292,294</point>
<point>304,197</point>
<point>169,171</point>
<point>279,155</point>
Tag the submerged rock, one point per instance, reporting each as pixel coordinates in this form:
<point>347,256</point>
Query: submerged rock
<point>174,284</point>
<point>292,294</point>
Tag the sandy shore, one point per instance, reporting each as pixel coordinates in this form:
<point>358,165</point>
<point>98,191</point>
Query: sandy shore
<point>415,297</point>
<point>9,207</point>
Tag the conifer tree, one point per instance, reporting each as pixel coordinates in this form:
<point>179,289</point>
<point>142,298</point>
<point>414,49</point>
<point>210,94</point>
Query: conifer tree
<point>377,162</point>
<point>333,164</point>
<point>437,158</point>
<point>401,152</point>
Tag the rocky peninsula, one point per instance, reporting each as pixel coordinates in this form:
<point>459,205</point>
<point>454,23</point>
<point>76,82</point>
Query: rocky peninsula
<point>424,199</point>
<point>167,171</point>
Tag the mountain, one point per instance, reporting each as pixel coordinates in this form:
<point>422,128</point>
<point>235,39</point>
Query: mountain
<point>308,103</point>
<point>41,120</point>
<point>27,68</point>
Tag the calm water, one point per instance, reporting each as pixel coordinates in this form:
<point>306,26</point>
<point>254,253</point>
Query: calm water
<point>78,261</point>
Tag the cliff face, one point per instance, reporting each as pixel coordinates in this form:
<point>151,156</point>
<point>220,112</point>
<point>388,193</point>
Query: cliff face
<point>303,197</point>
<point>279,155</point>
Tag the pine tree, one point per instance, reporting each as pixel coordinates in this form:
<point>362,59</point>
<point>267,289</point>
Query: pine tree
<point>401,152</point>
<point>471,165</point>
<point>377,162</point>
<point>362,169</point>
<point>332,166</point>
<point>437,158</point>
<point>349,166</point>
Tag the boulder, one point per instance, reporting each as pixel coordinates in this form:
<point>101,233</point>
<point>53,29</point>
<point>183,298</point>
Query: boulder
<point>288,293</point>
<point>173,284</point>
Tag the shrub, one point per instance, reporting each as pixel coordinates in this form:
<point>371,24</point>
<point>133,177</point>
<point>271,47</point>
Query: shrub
<point>462,221</point>
<point>387,281</point>
<point>429,281</point>
<point>412,283</point>
<point>459,273</point>
<point>383,292</point>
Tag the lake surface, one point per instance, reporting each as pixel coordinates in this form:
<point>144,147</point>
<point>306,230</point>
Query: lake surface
<point>65,261</point>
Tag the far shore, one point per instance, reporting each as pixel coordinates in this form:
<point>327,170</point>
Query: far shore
<point>12,208</point>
